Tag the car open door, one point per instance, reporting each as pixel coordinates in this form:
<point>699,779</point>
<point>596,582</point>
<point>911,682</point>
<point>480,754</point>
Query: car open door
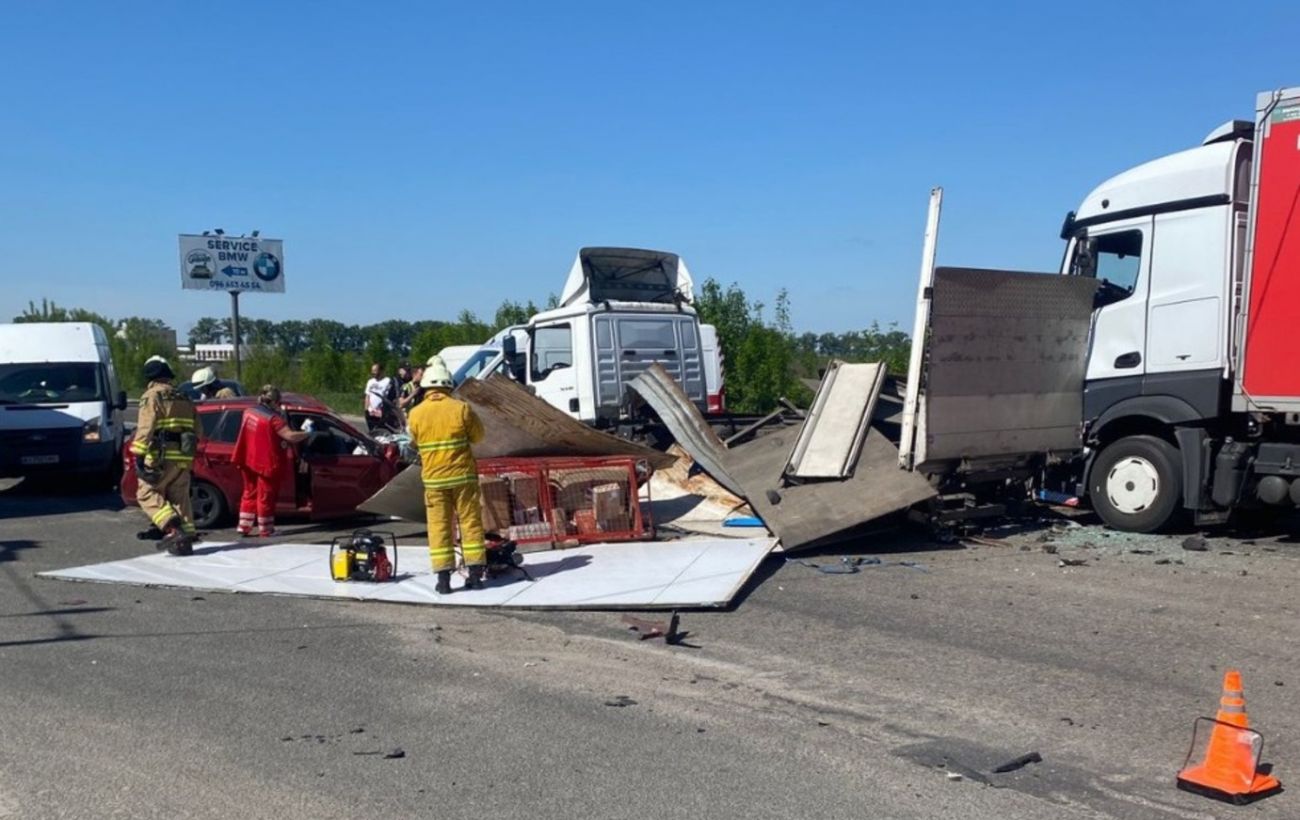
<point>343,467</point>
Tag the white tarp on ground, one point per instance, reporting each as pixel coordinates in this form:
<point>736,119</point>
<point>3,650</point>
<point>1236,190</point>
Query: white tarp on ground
<point>694,572</point>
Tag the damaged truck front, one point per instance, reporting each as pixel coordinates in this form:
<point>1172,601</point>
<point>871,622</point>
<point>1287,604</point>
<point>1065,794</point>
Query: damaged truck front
<point>1156,375</point>
<point>622,311</point>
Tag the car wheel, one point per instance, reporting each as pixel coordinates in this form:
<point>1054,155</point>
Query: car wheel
<point>1137,483</point>
<point>208,503</point>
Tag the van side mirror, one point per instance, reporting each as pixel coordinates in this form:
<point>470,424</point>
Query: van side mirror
<point>120,403</point>
<point>508,347</point>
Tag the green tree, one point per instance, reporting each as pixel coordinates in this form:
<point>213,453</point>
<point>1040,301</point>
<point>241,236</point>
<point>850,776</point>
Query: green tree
<point>207,331</point>
<point>761,357</point>
<point>268,365</point>
<point>377,351</point>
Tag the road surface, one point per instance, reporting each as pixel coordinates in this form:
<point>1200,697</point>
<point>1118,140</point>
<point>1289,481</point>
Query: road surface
<point>891,692</point>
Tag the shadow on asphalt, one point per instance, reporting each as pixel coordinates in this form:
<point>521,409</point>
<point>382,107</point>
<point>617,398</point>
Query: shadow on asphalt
<point>50,496</point>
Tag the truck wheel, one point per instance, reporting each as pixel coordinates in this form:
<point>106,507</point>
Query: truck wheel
<point>1137,483</point>
<point>208,503</point>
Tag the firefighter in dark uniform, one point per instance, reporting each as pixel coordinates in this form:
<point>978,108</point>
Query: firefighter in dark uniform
<point>166,439</point>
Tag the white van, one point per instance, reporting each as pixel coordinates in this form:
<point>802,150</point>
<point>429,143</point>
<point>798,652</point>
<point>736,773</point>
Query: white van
<point>455,355</point>
<point>60,401</point>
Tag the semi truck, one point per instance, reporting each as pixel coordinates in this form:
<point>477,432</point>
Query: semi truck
<point>1179,373</point>
<point>621,311</point>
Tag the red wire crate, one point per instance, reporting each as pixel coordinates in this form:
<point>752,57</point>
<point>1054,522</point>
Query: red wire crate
<point>573,499</point>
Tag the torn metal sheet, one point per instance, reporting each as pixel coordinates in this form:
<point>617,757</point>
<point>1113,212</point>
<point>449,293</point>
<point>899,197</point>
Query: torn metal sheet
<point>805,515</point>
<point>830,439</point>
<point>1007,356</point>
<point>706,572</point>
<point>684,421</point>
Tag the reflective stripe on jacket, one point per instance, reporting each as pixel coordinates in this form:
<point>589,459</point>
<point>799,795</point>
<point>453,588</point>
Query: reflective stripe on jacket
<point>165,414</point>
<point>443,429</point>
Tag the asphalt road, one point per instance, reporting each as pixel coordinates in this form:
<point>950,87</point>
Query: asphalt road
<point>887,693</point>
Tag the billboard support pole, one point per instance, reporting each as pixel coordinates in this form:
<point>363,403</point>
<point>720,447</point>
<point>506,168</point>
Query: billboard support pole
<point>234,332</point>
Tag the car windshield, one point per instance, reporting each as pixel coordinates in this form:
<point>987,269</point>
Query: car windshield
<point>49,382</point>
<point>474,365</point>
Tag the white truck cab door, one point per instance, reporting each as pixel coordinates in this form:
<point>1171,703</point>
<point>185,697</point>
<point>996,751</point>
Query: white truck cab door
<point>550,367</point>
<point>1121,262</point>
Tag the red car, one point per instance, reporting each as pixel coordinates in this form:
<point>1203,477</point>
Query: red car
<point>336,469</point>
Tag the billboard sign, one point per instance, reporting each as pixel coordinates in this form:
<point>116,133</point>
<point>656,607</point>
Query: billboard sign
<point>232,263</point>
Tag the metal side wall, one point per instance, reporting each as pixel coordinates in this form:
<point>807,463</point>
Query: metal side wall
<point>1007,354</point>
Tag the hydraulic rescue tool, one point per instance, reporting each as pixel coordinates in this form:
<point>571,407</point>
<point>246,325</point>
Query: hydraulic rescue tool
<point>364,556</point>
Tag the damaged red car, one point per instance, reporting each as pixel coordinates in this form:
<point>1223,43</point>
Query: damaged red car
<point>333,471</point>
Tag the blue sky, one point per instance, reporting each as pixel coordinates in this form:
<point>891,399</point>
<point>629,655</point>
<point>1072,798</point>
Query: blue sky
<point>418,158</point>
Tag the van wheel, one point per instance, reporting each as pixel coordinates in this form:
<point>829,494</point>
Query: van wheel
<point>1136,484</point>
<point>208,503</point>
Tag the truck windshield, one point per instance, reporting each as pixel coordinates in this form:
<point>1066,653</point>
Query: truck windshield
<point>47,382</point>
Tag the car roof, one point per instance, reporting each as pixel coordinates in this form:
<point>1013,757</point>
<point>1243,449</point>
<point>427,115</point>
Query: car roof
<point>291,401</point>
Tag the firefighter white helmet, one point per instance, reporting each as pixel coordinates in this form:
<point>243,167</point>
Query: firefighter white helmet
<point>436,374</point>
<point>203,377</point>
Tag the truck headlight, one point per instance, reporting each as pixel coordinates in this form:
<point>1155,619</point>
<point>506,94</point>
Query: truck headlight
<point>90,432</point>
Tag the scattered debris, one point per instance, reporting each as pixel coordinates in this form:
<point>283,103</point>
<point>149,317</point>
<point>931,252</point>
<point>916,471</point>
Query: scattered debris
<point>620,701</point>
<point>1195,543</point>
<point>1018,763</point>
<point>954,776</point>
<point>391,754</point>
<point>657,629</point>
<point>1050,549</point>
<point>1072,562</point>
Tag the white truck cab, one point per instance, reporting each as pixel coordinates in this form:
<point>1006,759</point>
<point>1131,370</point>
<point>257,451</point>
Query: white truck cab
<point>60,401</point>
<point>621,311</point>
<point>1166,241</point>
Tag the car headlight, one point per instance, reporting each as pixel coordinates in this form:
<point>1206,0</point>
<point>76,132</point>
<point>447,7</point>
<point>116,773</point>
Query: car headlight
<point>90,432</point>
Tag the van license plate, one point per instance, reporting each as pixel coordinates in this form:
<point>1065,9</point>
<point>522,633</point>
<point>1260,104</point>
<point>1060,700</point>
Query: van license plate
<point>39,460</point>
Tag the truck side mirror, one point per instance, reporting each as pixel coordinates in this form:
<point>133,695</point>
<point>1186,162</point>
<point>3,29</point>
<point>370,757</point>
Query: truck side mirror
<point>508,347</point>
<point>120,403</point>
<point>1085,258</point>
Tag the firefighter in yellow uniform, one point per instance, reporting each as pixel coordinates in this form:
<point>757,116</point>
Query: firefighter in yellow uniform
<point>443,428</point>
<point>164,445</point>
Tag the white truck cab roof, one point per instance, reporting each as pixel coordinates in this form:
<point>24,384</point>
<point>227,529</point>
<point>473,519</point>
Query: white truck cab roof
<point>1204,173</point>
<point>627,275</point>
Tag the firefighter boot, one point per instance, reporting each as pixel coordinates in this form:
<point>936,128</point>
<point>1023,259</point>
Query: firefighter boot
<point>171,533</point>
<point>444,583</point>
<point>183,545</point>
<point>475,578</point>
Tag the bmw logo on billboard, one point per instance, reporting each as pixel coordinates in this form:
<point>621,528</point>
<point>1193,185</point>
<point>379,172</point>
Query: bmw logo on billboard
<point>267,267</point>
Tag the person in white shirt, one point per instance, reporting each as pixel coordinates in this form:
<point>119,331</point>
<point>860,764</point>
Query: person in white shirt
<point>378,399</point>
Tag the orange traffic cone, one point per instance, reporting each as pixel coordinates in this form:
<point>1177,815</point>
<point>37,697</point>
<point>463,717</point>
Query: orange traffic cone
<point>1230,767</point>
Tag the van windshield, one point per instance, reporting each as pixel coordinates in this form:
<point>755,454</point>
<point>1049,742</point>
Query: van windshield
<point>473,366</point>
<point>49,382</point>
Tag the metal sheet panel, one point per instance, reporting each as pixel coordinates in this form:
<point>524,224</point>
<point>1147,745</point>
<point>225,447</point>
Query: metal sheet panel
<point>830,439</point>
<point>1006,360</point>
<point>691,430</point>
<point>805,515</point>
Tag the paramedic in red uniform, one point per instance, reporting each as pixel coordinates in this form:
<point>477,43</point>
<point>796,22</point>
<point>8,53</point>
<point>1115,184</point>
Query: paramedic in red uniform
<point>261,453</point>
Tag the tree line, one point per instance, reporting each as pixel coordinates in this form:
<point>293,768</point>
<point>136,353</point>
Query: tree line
<point>765,358</point>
